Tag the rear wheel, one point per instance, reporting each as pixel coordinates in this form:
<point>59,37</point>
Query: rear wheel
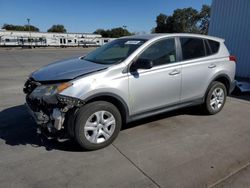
<point>97,125</point>
<point>215,98</point>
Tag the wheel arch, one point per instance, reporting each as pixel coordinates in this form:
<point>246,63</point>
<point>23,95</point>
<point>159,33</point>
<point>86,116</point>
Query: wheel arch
<point>108,97</point>
<point>113,99</point>
<point>224,79</point>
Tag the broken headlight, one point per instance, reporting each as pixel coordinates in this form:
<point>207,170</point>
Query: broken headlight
<point>70,100</point>
<point>47,90</point>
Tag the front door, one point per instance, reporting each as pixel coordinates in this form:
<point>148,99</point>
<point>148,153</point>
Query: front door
<point>160,86</point>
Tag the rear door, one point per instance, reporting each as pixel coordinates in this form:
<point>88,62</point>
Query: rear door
<point>197,67</point>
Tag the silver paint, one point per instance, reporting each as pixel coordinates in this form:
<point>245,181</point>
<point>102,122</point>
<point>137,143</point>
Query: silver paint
<point>150,89</point>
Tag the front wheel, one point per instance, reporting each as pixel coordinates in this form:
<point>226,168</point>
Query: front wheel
<point>215,98</point>
<point>97,125</point>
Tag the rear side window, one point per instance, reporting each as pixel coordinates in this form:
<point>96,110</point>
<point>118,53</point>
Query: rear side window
<point>192,48</point>
<point>214,46</point>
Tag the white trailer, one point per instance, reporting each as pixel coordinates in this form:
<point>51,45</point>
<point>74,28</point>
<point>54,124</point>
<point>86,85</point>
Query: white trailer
<point>39,39</point>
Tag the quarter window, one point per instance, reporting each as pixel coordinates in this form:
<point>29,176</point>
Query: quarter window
<point>192,48</point>
<point>161,52</point>
<point>214,46</point>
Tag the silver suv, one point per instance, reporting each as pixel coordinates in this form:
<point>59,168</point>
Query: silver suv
<point>90,98</point>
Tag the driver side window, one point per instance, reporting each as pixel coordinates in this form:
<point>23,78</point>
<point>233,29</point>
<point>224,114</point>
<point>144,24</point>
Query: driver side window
<point>161,52</point>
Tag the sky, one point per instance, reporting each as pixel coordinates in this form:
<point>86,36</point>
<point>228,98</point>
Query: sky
<point>89,15</point>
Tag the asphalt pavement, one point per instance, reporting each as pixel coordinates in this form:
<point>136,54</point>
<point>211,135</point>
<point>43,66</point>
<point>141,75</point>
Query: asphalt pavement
<point>183,148</point>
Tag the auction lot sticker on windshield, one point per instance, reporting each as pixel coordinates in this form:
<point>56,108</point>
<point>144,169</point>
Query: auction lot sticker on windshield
<point>132,42</point>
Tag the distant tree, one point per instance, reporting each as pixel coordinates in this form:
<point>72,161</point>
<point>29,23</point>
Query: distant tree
<point>164,24</point>
<point>113,33</point>
<point>102,32</point>
<point>57,29</point>
<point>31,28</point>
<point>204,17</point>
<point>119,32</point>
<point>187,20</point>
<point>20,27</point>
<point>161,21</point>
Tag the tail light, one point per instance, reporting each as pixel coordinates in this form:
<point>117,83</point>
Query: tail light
<point>232,58</point>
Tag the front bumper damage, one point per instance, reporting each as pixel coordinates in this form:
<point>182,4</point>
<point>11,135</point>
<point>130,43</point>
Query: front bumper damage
<point>53,121</point>
<point>50,112</point>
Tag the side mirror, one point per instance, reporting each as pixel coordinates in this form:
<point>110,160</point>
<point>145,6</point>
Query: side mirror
<point>142,64</point>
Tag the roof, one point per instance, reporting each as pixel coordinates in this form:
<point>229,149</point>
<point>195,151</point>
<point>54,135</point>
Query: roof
<point>4,30</point>
<point>160,35</point>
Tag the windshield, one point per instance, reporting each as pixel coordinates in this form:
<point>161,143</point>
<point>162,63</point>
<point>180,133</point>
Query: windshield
<point>115,51</point>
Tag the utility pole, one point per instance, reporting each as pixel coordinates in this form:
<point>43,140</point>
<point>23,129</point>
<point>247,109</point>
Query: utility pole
<point>124,27</point>
<point>28,19</point>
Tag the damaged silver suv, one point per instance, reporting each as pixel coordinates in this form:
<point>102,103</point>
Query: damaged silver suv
<point>90,98</point>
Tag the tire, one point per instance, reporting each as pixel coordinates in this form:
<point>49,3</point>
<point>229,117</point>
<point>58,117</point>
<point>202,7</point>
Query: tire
<point>215,98</point>
<point>97,125</point>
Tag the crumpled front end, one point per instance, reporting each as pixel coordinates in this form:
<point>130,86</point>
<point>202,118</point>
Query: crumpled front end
<point>47,107</point>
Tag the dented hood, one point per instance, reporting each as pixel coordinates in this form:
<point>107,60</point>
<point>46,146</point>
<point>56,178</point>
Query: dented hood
<point>66,70</point>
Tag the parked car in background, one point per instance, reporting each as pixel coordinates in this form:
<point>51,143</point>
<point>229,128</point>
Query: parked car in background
<point>90,98</point>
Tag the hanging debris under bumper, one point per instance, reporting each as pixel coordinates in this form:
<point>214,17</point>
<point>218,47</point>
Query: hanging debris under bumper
<point>50,117</point>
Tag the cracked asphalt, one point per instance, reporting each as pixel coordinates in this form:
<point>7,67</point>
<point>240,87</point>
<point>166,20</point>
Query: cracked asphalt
<point>183,148</point>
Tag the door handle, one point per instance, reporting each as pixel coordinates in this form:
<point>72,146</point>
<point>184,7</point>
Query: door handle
<point>212,66</point>
<point>174,72</point>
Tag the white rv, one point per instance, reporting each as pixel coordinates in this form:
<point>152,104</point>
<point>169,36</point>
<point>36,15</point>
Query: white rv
<point>39,39</point>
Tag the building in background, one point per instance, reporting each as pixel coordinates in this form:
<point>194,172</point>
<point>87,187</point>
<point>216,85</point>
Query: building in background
<point>230,19</point>
<point>44,39</point>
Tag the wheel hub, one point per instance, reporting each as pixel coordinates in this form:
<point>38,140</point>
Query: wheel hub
<point>99,127</point>
<point>217,98</point>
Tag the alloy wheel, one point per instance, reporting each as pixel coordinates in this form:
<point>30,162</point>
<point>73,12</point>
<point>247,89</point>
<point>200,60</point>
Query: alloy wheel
<point>99,127</point>
<point>217,98</point>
